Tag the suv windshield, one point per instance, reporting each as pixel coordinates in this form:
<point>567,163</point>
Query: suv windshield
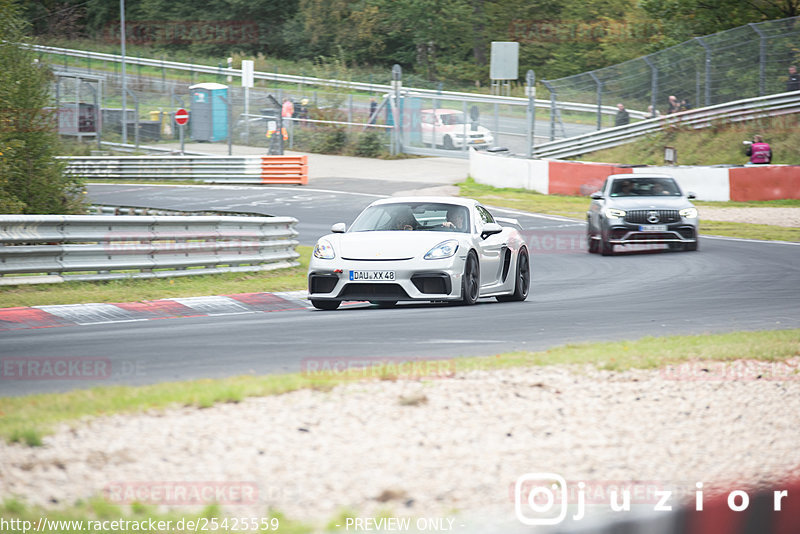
<point>413,216</point>
<point>645,187</point>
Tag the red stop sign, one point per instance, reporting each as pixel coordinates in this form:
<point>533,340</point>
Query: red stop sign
<point>181,116</point>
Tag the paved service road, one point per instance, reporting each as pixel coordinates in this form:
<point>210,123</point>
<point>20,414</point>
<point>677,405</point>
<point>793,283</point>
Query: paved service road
<point>728,285</point>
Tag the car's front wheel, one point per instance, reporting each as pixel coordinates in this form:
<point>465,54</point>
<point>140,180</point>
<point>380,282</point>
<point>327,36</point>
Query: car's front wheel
<point>325,304</point>
<point>471,281</point>
<point>606,248</point>
<point>448,143</point>
<point>591,243</point>
<point>523,279</point>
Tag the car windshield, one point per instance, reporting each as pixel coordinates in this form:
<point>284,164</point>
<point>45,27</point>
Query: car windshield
<point>453,118</point>
<point>645,187</point>
<point>416,216</point>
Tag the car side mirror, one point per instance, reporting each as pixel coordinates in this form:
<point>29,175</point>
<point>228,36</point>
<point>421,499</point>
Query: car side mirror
<point>490,229</point>
<point>597,195</point>
<point>339,228</point>
<point>690,195</point>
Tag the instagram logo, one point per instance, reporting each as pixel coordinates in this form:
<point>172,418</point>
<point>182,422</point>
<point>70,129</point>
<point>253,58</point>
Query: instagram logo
<point>540,491</point>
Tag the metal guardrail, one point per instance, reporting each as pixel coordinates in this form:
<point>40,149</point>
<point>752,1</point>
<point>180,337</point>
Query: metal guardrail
<point>324,82</point>
<point>211,169</point>
<point>740,110</point>
<point>105,209</point>
<point>97,247</point>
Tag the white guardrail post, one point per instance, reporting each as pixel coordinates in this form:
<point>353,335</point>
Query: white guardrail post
<point>92,247</point>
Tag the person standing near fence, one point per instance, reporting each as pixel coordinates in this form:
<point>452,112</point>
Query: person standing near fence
<point>673,106</point>
<point>287,109</point>
<point>793,84</point>
<point>373,108</point>
<point>759,151</point>
<point>622,117</point>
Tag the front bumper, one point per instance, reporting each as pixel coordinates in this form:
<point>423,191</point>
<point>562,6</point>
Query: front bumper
<point>433,280</point>
<point>481,142</point>
<point>625,233</point>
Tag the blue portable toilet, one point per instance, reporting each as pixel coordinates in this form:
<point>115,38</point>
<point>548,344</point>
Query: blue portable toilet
<point>209,113</point>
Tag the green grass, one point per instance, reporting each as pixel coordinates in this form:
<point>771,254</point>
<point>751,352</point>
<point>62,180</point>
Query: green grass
<point>289,279</point>
<point>37,415</point>
<point>575,208</point>
<point>525,200</point>
<point>749,231</point>
<point>719,144</point>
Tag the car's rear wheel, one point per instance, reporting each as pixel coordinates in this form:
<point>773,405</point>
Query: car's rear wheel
<point>447,142</point>
<point>325,304</point>
<point>523,279</point>
<point>471,281</point>
<point>384,303</point>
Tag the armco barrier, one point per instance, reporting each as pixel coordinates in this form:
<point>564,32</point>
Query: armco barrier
<point>211,169</point>
<point>718,183</point>
<point>97,247</point>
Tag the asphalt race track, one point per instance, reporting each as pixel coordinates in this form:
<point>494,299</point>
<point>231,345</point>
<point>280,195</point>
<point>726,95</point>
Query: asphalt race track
<point>729,285</point>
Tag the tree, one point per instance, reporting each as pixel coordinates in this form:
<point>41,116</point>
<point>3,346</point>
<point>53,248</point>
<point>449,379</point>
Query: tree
<point>32,181</point>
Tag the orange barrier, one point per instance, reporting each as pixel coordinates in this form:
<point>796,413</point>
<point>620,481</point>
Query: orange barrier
<point>770,182</point>
<point>580,179</point>
<point>284,170</point>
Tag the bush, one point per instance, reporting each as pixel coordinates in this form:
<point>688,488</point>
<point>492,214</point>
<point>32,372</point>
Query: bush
<point>32,181</point>
<point>329,141</point>
<point>369,145</point>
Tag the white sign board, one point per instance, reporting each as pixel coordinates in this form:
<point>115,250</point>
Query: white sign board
<point>505,61</point>
<point>247,73</point>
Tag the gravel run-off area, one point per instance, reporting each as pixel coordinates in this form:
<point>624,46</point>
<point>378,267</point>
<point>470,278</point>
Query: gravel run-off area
<point>775,216</point>
<point>436,447</point>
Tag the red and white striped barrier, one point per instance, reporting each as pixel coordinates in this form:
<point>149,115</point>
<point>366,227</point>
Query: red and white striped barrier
<point>557,177</point>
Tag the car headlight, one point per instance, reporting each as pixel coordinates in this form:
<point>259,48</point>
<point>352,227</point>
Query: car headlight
<point>324,250</point>
<point>442,250</point>
<point>689,213</point>
<point>613,213</point>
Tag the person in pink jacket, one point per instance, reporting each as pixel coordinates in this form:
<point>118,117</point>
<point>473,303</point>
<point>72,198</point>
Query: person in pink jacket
<point>759,151</point>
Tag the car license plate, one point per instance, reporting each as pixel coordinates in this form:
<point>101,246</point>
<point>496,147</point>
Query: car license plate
<point>372,276</point>
<point>653,228</point>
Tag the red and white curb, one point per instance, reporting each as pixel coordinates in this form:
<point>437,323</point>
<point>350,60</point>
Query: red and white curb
<point>25,317</point>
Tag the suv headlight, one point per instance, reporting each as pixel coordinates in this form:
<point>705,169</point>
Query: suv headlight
<point>613,213</point>
<point>324,250</point>
<point>442,250</point>
<point>689,213</point>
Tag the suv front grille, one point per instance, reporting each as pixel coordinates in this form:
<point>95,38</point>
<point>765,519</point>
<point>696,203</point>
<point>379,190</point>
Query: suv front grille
<point>641,216</point>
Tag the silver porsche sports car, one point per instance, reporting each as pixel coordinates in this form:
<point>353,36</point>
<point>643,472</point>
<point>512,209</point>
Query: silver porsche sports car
<point>420,248</point>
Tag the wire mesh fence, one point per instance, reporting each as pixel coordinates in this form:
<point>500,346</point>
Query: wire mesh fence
<point>740,63</point>
<point>743,62</point>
